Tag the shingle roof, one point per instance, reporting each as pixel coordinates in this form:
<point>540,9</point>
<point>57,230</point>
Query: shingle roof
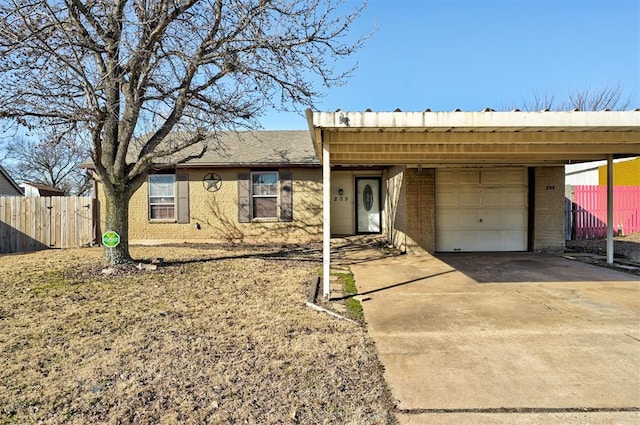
<point>252,148</point>
<point>44,188</point>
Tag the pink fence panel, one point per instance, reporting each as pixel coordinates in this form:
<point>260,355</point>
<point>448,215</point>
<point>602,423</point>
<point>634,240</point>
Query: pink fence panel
<point>590,211</point>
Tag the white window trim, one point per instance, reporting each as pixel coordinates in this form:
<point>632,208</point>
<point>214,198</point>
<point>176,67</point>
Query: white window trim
<point>252,196</point>
<point>174,203</point>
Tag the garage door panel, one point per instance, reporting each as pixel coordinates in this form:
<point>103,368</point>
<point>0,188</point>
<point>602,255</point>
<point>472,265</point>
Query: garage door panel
<point>459,199</point>
<point>462,241</point>
<point>457,219</point>
<point>492,220</point>
<point>448,200</point>
<point>515,220</point>
<point>447,225</point>
<point>492,198</point>
<point>516,196</point>
<point>466,219</point>
<point>458,177</point>
<point>481,210</point>
<point>499,219</point>
<point>504,177</point>
<point>474,243</point>
<point>514,240</point>
<point>468,198</point>
<point>504,197</point>
<point>500,240</point>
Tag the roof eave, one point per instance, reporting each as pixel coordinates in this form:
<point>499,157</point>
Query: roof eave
<point>477,121</point>
<point>249,165</point>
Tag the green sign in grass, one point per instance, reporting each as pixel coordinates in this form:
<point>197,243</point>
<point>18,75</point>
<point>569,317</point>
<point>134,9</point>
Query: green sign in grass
<point>110,239</point>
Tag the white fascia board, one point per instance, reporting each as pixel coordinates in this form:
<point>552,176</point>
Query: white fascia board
<point>479,120</point>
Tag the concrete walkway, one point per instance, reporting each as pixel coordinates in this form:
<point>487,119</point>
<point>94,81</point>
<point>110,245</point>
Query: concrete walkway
<point>504,338</point>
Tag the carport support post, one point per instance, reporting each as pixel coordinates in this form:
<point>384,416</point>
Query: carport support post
<point>610,209</point>
<point>326,222</point>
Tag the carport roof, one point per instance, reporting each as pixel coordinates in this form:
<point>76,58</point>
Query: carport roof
<point>487,137</point>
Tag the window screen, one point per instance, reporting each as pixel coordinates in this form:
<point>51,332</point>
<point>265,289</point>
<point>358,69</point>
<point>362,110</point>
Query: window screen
<point>264,190</point>
<point>162,197</point>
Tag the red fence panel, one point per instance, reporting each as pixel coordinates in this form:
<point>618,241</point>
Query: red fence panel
<point>590,211</point>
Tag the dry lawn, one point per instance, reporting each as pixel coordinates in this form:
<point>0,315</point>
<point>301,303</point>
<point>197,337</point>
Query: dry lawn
<point>217,335</point>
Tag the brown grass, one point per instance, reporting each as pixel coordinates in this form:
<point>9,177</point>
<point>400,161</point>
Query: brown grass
<point>217,335</point>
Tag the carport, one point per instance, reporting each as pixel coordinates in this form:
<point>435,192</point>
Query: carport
<point>512,154</point>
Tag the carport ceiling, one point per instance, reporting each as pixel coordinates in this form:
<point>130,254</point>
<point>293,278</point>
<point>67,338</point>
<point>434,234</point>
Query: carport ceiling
<point>458,138</point>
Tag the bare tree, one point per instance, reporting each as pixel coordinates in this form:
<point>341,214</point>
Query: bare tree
<point>609,97</point>
<point>605,98</point>
<point>120,69</point>
<point>53,160</point>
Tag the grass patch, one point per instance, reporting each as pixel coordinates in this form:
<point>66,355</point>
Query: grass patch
<point>218,335</point>
<point>53,281</point>
<point>354,308</point>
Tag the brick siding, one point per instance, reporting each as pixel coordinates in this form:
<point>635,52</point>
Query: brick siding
<point>410,209</point>
<point>216,213</point>
<point>549,209</point>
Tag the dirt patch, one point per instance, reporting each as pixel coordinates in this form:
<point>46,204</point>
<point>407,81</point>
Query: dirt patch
<point>624,247</point>
<point>218,334</point>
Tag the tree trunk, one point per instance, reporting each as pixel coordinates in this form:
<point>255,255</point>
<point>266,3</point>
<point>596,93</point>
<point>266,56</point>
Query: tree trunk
<point>117,220</point>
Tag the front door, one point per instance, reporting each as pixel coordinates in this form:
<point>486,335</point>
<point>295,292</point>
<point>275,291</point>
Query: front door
<point>368,205</point>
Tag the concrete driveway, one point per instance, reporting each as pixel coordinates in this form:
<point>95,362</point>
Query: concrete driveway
<point>505,338</point>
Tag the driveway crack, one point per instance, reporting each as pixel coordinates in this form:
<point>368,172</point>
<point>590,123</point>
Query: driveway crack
<point>522,410</point>
<point>633,337</point>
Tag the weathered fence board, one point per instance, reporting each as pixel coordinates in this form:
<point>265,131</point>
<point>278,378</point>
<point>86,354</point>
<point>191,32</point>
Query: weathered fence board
<point>589,211</point>
<point>31,224</point>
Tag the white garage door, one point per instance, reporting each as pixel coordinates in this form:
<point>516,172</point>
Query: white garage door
<point>481,210</point>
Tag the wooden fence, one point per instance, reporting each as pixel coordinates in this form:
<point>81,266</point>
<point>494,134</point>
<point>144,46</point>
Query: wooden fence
<point>31,224</point>
<point>587,211</point>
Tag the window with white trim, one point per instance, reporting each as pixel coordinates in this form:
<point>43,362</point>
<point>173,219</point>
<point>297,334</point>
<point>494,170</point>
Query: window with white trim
<point>162,197</point>
<point>264,194</point>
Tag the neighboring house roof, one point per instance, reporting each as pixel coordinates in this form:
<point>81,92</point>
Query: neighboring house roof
<point>8,186</point>
<point>43,189</point>
<point>248,148</point>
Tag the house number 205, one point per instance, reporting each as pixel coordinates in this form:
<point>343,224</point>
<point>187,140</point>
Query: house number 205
<point>341,198</point>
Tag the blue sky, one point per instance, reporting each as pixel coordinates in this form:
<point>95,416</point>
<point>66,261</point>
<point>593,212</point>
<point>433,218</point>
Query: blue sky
<point>472,54</point>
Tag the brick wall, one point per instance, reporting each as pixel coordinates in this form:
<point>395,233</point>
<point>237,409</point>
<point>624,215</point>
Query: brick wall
<point>421,201</point>
<point>410,209</point>
<point>395,207</point>
<point>216,213</point>
<point>549,209</point>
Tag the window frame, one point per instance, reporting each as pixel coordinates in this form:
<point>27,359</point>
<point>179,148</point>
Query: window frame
<point>253,195</point>
<point>284,193</point>
<point>152,204</point>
